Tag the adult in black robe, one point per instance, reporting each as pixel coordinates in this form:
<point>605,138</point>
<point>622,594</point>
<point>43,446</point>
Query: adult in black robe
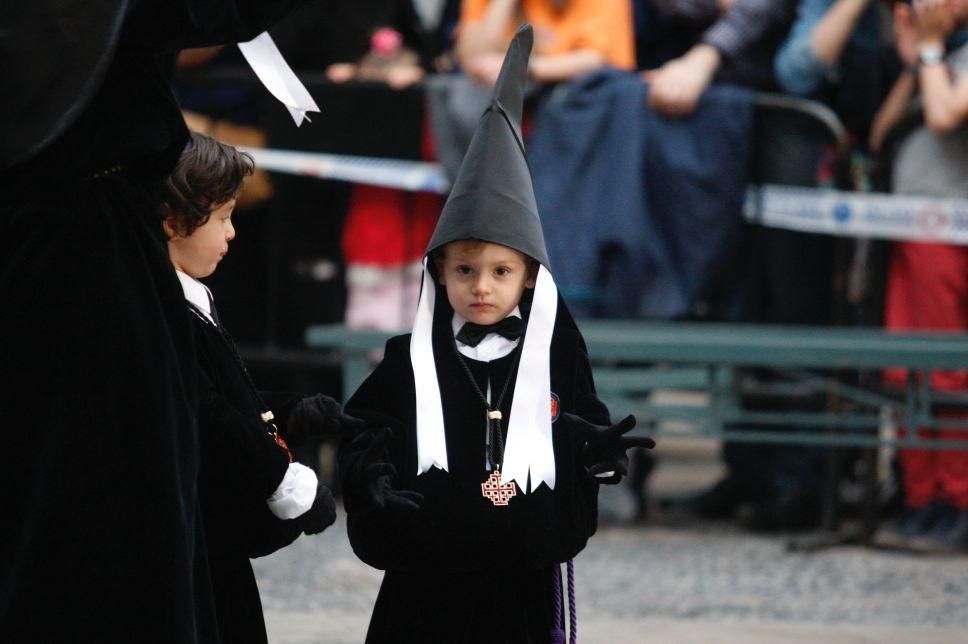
<point>97,360</point>
<point>461,569</point>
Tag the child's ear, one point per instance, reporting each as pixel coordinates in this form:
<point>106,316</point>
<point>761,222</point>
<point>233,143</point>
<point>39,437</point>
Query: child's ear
<point>533,268</point>
<point>166,225</point>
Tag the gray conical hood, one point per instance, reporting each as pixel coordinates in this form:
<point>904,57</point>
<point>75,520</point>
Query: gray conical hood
<point>493,197</point>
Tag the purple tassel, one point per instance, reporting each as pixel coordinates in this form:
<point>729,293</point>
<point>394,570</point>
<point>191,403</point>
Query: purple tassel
<point>557,629</point>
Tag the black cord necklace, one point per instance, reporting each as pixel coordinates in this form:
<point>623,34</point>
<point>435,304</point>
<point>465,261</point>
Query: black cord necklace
<point>492,489</point>
<point>266,415</point>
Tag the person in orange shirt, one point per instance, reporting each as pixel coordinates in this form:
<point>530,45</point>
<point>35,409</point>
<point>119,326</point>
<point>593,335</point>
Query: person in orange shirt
<point>572,37</point>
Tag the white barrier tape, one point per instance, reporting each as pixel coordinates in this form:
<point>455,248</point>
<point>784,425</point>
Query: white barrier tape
<point>859,214</point>
<point>812,210</point>
<point>417,176</point>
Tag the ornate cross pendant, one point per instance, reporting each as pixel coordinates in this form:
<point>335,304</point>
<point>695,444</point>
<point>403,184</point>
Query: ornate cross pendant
<point>493,491</point>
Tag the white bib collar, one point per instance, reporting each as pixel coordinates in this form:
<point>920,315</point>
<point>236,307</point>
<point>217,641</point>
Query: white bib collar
<point>196,294</point>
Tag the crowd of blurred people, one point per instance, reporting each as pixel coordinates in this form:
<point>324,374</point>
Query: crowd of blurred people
<point>873,62</point>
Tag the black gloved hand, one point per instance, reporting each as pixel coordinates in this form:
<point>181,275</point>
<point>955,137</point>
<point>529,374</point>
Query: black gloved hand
<point>321,515</point>
<point>372,473</point>
<point>603,448</point>
<point>318,416</point>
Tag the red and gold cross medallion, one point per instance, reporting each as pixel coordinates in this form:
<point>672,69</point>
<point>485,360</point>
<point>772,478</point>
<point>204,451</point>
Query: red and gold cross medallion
<point>498,494</point>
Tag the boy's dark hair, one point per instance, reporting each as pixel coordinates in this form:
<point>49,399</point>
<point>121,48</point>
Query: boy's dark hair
<point>207,175</point>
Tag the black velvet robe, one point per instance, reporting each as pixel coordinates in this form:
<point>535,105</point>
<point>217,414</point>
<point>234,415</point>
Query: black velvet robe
<point>98,483</point>
<point>461,569</point>
<point>241,467</point>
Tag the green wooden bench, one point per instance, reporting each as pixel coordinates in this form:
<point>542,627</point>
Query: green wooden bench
<point>635,362</point>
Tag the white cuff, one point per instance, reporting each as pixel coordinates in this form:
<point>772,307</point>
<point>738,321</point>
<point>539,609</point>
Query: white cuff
<point>295,494</point>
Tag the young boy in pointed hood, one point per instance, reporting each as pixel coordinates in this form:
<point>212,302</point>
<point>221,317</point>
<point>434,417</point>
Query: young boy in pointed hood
<point>479,471</point>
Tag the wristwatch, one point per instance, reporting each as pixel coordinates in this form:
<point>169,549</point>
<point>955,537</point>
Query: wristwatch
<point>930,54</point>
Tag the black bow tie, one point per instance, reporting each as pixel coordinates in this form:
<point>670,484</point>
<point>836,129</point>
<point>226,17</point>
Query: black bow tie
<point>471,333</point>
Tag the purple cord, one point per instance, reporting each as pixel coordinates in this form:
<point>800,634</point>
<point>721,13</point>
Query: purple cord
<point>557,629</point>
<point>557,632</point>
<point>572,608</point>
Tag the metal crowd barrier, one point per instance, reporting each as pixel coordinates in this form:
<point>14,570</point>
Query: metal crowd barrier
<point>633,362</point>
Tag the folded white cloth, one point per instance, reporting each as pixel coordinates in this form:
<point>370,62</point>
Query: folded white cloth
<point>295,494</point>
<point>272,69</point>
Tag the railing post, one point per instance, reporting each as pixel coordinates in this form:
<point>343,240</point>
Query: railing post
<point>910,410</point>
<point>714,421</point>
<point>356,367</point>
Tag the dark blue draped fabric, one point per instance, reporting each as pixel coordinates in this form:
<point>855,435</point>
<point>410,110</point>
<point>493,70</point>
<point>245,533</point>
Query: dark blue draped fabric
<point>641,213</point>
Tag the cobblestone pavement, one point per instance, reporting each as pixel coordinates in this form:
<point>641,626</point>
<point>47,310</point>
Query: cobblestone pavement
<point>667,584</point>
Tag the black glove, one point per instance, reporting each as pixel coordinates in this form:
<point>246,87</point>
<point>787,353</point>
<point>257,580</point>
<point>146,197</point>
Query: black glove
<point>321,515</point>
<point>372,473</point>
<point>603,448</point>
<point>318,416</point>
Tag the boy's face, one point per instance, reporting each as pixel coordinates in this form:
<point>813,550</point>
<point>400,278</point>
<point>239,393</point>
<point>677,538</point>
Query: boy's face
<point>199,254</point>
<point>485,282</point>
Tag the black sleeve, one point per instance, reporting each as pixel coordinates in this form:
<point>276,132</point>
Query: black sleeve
<point>587,404</point>
<point>169,25</point>
<point>264,532</point>
<point>378,536</point>
<point>589,407</point>
<point>242,525</point>
<point>237,445</point>
<point>386,397</point>
<point>242,467</point>
<point>576,507</point>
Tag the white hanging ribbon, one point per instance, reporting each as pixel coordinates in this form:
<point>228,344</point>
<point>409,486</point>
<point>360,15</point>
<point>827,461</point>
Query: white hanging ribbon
<point>272,69</point>
<point>529,448</point>
<point>431,440</point>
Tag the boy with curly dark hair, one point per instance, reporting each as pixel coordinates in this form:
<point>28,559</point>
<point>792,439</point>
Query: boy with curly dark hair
<point>255,499</point>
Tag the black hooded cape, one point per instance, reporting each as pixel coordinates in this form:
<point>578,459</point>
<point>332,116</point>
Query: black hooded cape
<point>100,408</point>
<point>461,569</point>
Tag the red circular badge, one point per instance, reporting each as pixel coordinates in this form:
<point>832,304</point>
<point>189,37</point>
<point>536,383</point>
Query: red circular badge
<point>555,406</point>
